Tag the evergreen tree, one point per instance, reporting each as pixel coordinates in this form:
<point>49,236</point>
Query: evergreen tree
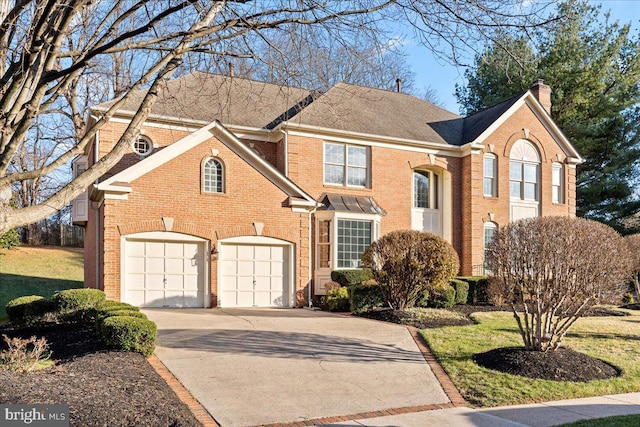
<point>593,68</point>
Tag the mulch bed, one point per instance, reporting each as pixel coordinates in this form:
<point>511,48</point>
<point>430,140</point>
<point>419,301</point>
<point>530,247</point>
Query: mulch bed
<point>560,365</point>
<point>101,387</point>
<point>402,318</point>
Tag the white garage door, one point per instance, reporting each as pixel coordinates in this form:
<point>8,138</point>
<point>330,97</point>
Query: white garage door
<point>164,274</point>
<point>253,275</point>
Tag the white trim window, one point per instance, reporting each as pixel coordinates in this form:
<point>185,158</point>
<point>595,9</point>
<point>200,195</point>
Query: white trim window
<point>354,236</point>
<point>346,164</point>
<point>490,182</point>
<point>213,176</point>
<point>143,146</point>
<point>324,243</point>
<point>425,189</point>
<point>557,181</point>
<point>490,229</point>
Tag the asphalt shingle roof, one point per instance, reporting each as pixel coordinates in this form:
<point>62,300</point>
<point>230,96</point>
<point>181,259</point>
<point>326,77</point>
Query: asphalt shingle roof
<point>207,97</point>
<point>243,102</point>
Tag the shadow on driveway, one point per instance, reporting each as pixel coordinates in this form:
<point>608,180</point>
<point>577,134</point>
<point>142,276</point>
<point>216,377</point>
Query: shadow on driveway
<point>285,344</point>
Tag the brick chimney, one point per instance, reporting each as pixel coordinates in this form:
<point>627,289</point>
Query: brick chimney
<point>542,92</point>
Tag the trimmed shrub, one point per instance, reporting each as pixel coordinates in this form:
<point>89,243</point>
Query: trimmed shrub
<point>78,305</point>
<point>351,277</point>
<point>462,290</point>
<point>101,316</point>
<point>114,305</point>
<point>365,297</point>
<point>129,334</point>
<point>27,310</point>
<point>338,299</point>
<point>444,297</point>
<point>423,301</point>
<point>477,289</point>
<point>407,263</point>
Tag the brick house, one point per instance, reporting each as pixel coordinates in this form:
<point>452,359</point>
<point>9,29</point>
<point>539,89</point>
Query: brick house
<point>240,193</point>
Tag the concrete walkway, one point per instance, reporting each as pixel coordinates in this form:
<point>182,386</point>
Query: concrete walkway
<point>534,415</point>
<point>265,366</point>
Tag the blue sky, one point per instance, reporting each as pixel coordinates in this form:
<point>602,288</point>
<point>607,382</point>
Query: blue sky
<point>442,77</point>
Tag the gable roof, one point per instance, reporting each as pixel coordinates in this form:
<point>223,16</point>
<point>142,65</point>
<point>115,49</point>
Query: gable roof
<point>477,123</point>
<point>205,97</point>
<point>373,111</point>
<point>119,184</point>
<point>479,126</point>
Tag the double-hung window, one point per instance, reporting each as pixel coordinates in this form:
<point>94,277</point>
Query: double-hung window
<point>557,193</point>
<point>346,164</point>
<point>523,180</point>
<point>490,175</point>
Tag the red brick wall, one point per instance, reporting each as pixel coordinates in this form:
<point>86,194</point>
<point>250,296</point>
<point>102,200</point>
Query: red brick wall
<point>502,140</point>
<point>174,191</point>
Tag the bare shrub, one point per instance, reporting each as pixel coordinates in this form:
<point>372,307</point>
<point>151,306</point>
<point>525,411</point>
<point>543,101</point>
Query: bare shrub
<point>23,355</point>
<point>552,269</point>
<point>633,242</point>
<point>407,263</point>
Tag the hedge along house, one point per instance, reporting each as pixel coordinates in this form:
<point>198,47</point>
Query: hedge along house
<point>240,193</point>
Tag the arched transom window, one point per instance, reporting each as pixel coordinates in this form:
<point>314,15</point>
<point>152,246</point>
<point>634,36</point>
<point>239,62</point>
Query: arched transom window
<point>213,179</point>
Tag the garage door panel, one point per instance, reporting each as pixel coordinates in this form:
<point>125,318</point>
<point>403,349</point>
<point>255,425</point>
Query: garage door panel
<point>135,265</point>
<point>245,253</point>
<point>154,265</point>
<point>153,281</point>
<point>174,250</point>
<point>135,297</point>
<point>262,268</point>
<point>245,267</point>
<point>135,249</point>
<point>262,253</point>
<point>277,254</point>
<point>154,249</point>
<point>175,265</point>
<point>191,283</point>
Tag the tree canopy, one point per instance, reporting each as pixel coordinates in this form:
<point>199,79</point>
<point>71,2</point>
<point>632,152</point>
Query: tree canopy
<point>593,68</point>
<point>60,56</point>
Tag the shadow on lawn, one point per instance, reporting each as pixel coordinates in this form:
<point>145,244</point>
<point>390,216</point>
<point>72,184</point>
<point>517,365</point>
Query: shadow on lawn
<point>15,285</point>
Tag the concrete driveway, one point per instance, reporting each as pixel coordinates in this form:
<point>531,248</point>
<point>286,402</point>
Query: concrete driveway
<point>260,366</point>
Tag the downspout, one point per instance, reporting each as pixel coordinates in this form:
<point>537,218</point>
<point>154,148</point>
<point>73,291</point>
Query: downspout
<point>96,149</point>
<point>309,274</point>
<point>285,140</point>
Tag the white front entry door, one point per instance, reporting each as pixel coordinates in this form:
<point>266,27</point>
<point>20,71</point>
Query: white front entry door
<point>164,274</point>
<point>253,275</point>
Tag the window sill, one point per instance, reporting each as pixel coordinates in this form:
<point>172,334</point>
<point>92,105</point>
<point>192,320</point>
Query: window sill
<point>346,187</point>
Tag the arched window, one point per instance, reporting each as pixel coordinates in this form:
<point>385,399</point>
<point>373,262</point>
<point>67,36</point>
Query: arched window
<point>524,172</point>
<point>425,190</point>
<point>213,179</point>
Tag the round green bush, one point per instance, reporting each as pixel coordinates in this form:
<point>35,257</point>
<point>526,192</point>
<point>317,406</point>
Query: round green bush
<point>129,334</point>
<point>444,297</point>
<point>78,305</point>
<point>28,309</point>
<point>338,299</point>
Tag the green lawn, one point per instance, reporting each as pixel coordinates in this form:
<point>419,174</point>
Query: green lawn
<point>619,421</point>
<point>612,339</point>
<point>38,271</point>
